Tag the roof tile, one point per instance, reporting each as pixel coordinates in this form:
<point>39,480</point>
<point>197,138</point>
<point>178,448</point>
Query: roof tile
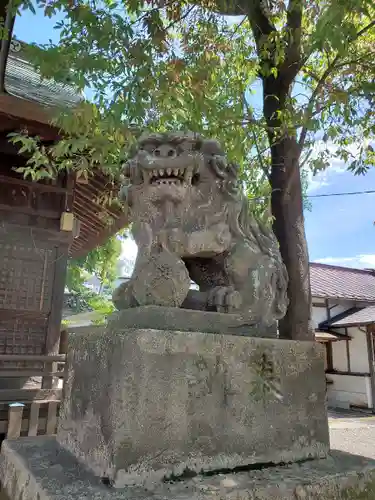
<point>22,80</point>
<point>364,316</point>
<point>342,282</point>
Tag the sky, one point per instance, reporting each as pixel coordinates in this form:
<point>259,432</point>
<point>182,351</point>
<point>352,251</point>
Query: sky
<point>340,229</point>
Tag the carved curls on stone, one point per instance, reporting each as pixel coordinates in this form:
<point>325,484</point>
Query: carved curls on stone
<point>219,165</point>
<point>232,188</point>
<point>232,185</point>
<point>233,170</point>
<point>126,170</point>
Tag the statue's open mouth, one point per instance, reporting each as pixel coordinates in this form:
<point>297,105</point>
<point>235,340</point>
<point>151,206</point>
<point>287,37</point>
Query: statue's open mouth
<point>165,172</point>
<point>172,176</point>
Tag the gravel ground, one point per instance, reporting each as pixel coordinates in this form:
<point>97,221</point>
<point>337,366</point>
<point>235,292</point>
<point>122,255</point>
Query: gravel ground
<point>354,435</point>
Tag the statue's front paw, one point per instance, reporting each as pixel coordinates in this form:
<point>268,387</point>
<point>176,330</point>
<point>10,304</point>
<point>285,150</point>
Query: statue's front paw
<point>123,298</point>
<point>172,240</point>
<point>225,299</point>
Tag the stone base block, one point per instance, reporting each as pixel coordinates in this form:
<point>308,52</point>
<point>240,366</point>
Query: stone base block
<point>189,320</point>
<point>38,468</point>
<point>142,404</point>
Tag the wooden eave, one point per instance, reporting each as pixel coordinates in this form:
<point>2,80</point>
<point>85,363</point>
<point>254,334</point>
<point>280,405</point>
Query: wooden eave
<point>17,114</point>
<point>95,229</point>
<point>24,110</point>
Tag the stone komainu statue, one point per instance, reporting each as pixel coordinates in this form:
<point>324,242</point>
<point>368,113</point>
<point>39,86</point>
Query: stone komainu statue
<point>191,221</point>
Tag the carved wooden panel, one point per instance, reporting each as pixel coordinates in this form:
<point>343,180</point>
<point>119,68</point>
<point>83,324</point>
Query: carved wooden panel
<point>26,275</point>
<point>22,335</point>
<point>14,195</point>
<point>46,198</point>
<point>33,254</point>
<point>27,271</point>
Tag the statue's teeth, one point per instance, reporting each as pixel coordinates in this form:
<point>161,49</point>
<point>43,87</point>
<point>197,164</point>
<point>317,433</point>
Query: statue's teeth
<point>155,173</point>
<point>161,171</point>
<point>169,171</point>
<point>176,171</point>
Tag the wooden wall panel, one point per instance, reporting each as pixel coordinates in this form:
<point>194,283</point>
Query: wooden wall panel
<point>33,256</point>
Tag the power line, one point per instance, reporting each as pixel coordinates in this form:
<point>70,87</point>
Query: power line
<point>327,195</point>
<point>350,193</point>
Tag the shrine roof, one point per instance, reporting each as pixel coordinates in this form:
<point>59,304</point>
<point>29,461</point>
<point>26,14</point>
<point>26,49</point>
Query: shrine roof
<point>30,102</point>
<point>23,81</point>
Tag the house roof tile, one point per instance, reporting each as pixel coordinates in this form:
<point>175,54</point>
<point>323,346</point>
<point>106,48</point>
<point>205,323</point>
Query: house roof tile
<point>23,80</point>
<point>342,282</point>
<point>364,316</point>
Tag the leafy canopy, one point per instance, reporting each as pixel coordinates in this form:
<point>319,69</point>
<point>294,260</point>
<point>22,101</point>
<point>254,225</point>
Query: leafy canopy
<point>174,64</point>
<point>100,262</point>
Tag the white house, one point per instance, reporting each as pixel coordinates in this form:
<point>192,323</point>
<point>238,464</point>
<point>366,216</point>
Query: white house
<point>343,302</point>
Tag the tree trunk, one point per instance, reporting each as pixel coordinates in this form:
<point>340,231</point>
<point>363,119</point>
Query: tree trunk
<point>289,228</point>
<point>285,179</point>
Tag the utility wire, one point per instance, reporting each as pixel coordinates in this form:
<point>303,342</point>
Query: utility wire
<point>327,195</point>
<point>350,193</point>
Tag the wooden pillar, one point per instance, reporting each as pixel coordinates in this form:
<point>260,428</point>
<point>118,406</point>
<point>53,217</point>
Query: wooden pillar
<point>329,353</point>
<point>347,351</point>
<point>54,322</point>
<point>55,317</point>
<point>63,349</point>
<point>370,351</point>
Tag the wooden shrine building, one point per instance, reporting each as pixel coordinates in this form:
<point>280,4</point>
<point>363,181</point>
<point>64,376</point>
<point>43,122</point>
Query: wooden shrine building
<point>41,223</point>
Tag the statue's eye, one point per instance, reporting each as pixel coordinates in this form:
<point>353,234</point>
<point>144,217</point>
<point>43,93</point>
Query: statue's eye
<point>148,148</point>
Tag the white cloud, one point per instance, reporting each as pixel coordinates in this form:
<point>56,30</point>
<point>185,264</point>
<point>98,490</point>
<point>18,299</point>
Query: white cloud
<point>336,165</point>
<point>317,181</point>
<point>325,178</point>
<point>360,261</point>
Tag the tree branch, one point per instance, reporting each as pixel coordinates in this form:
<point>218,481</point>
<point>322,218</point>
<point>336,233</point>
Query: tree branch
<point>260,24</point>
<point>310,104</point>
<point>364,30</point>
<point>260,158</point>
<point>225,7</point>
<point>292,62</point>
<point>306,159</point>
<point>322,81</point>
<point>262,166</point>
<point>238,27</point>
<point>355,62</point>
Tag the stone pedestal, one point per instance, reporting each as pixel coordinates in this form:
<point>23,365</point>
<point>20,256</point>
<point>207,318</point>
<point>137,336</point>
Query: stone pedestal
<point>38,468</point>
<point>158,414</point>
<point>188,320</point>
<point>144,405</point>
